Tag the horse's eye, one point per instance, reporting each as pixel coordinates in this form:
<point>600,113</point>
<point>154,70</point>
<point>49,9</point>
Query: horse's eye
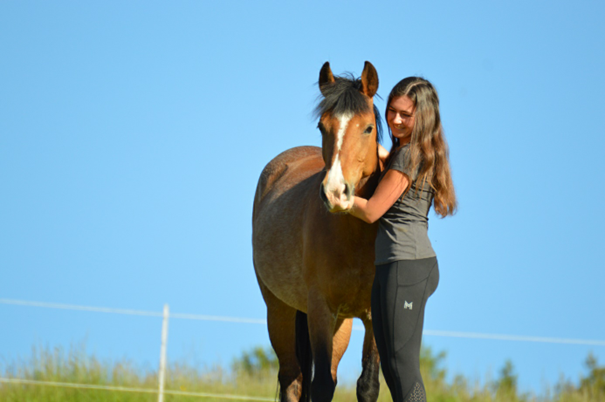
<point>369,130</point>
<point>321,128</point>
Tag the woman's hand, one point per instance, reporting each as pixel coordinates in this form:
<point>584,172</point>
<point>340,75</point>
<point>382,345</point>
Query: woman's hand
<point>391,187</point>
<point>383,154</point>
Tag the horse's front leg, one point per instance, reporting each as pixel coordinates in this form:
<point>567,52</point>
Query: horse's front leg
<point>322,323</point>
<point>368,384</point>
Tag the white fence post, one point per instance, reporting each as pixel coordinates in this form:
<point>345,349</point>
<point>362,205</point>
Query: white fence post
<point>162,371</point>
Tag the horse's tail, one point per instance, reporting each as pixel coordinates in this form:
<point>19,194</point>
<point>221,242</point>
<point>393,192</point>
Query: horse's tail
<point>304,354</point>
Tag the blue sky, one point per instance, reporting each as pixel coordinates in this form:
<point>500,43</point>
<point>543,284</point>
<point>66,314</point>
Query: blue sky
<point>132,136</point>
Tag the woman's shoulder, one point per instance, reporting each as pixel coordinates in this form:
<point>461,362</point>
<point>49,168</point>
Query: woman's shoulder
<point>399,158</point>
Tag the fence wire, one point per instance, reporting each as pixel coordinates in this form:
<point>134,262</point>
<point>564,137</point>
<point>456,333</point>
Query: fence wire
<point>72,307</point>
<point>126,389</point>
<point>199,317</point>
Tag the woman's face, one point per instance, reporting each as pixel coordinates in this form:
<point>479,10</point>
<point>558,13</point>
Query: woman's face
<point>400,118</point>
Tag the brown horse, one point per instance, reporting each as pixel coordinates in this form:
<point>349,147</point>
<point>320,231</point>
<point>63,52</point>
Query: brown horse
<point>315,267</point>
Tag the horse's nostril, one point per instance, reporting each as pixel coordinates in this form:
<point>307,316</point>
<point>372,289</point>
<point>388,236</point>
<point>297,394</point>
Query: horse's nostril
<point>348,190</point>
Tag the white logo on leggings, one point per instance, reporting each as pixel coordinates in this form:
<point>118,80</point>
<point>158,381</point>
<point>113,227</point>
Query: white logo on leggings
<point>407,305</point>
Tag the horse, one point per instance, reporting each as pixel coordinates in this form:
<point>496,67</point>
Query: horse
<point>315,264</point>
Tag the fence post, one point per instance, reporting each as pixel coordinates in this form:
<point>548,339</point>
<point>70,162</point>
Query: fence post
<point>162,371</point>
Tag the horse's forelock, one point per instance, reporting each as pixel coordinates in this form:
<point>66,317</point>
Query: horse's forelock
<point>344,97</point>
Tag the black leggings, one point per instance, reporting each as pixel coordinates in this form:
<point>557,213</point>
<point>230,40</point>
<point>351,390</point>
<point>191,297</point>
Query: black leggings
<point>399,295</point>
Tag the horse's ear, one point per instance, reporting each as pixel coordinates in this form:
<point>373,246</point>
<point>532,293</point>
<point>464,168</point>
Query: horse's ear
<point>369,80</point>
<point>325,77</point>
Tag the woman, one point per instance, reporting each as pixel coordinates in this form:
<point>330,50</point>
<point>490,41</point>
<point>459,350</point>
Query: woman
<point>417,175</point>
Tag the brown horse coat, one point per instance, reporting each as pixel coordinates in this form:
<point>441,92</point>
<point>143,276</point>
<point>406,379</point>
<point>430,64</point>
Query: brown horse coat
<point>310,260</point>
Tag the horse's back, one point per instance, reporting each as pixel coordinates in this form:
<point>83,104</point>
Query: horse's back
<point>283,194</point>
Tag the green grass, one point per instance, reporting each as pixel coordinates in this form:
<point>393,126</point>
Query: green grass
<point>253,374</point>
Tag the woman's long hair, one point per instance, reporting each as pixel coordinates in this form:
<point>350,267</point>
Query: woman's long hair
<point>428,149</point>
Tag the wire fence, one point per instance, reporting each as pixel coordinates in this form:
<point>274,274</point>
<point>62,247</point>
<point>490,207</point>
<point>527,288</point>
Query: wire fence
<point>126,389</point>
<point>166,315</point>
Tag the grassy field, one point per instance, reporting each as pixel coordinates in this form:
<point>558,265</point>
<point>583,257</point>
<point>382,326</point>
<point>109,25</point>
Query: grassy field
<point>253,374</point>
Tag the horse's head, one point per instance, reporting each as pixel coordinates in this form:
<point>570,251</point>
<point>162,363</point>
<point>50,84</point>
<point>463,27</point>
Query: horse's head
<point>348,124</point>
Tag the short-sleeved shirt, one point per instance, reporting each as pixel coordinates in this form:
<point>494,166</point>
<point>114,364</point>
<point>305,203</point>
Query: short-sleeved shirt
<point>403,229</point>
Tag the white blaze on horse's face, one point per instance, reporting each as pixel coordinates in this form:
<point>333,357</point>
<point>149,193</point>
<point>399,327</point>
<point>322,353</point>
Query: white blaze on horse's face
<point>348,134</point>
<point>349,152</point>
<point>335,186</point>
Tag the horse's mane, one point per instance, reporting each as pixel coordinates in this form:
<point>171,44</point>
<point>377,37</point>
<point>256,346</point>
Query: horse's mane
<point>344,96</point>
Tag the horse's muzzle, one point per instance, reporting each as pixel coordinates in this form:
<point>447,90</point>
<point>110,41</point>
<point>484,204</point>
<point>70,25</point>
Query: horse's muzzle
<point>338,200</point>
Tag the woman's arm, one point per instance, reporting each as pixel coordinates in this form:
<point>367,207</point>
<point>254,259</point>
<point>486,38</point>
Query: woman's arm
<point>383,154</point>
<point>390,188</point>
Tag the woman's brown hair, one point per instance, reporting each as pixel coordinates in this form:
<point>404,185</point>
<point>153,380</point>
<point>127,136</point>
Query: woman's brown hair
<point>428,150</point>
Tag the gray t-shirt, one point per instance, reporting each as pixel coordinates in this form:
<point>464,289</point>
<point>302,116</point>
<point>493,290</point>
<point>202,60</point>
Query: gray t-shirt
<point>402,233</point>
